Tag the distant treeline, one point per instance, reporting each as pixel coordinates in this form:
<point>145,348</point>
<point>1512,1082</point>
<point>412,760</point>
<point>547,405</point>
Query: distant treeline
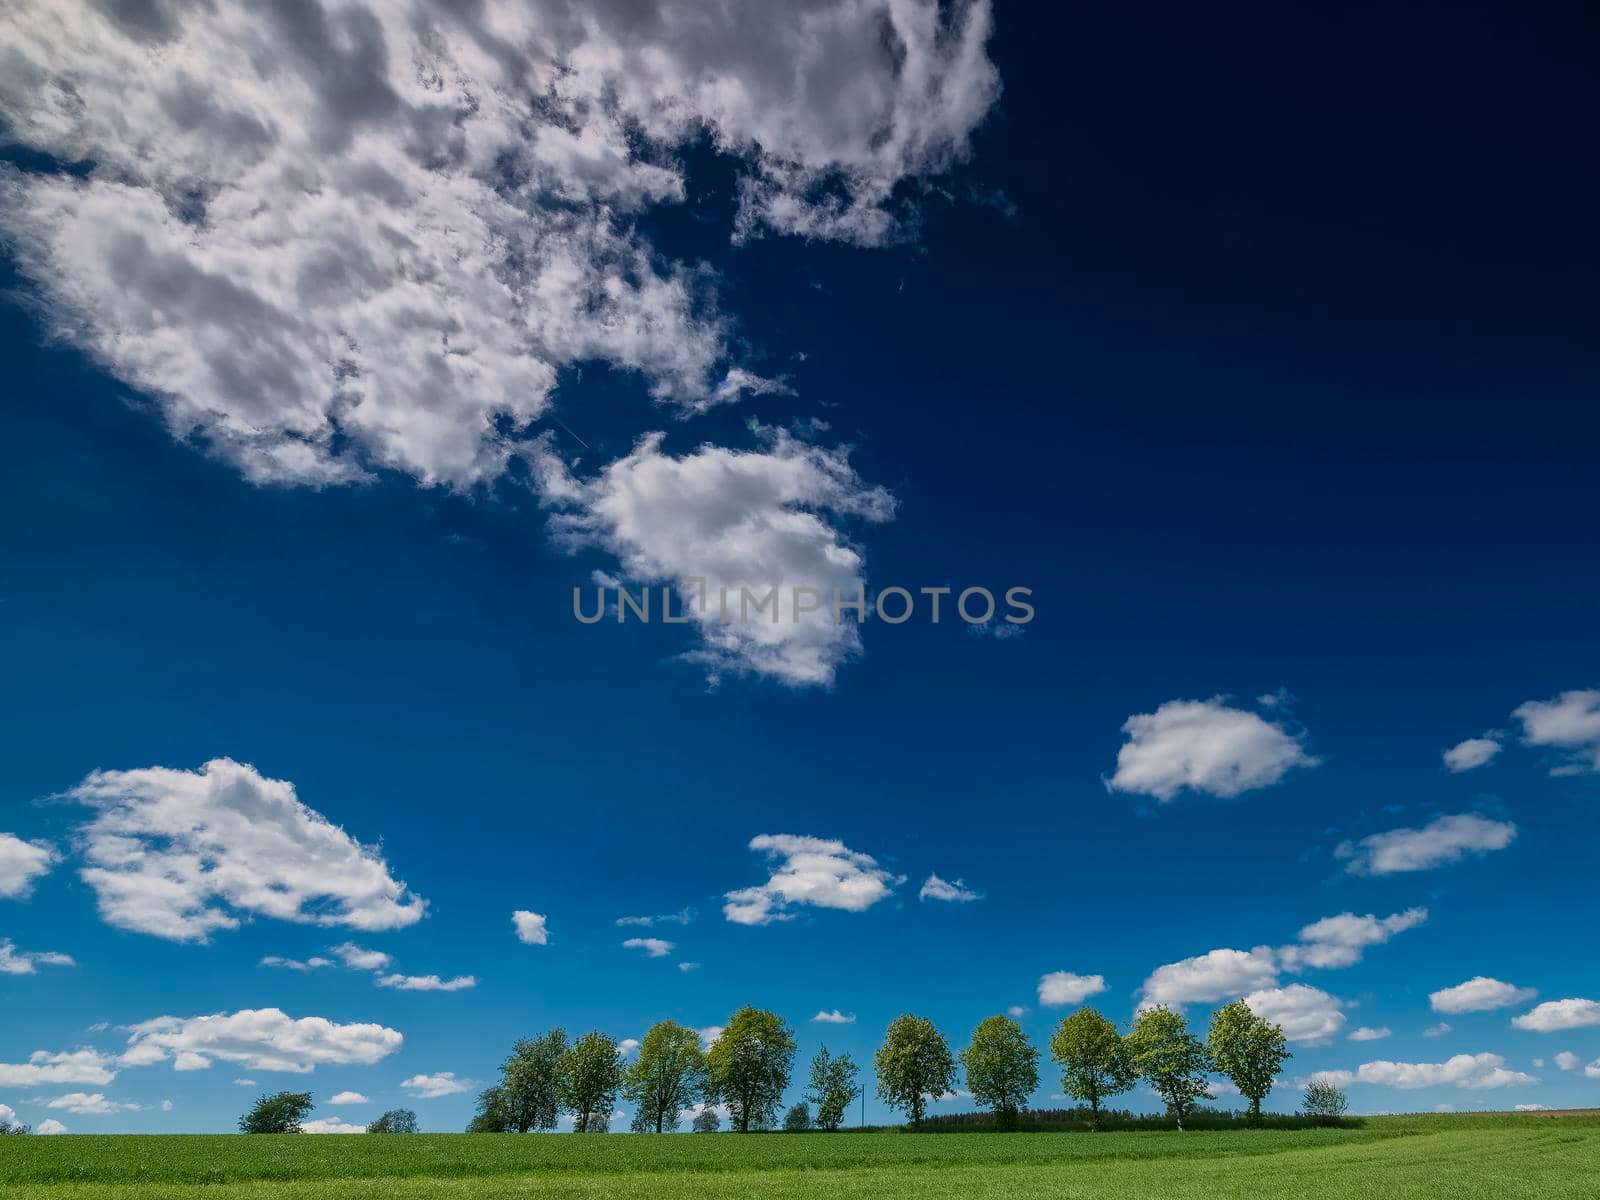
<point>1082,1120</point>
<point>747,1069</point>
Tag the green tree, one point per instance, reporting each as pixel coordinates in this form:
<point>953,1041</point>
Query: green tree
<point>748,1067</point>
<point>913,1063</point>
<point>1248,1050</point>
<point>590,1074</point>
<point>833,1088</point>
<point>797,1119</point>
<point>1171,1059</point>
<point>396,1120</point>
<point>493,1115</point>
<point>530,1084</point>
<point>707,1120</point>
<point>1002,1068</point>
<point>278,1113</point>
<point>667,1077</point>
<point>1093,1058</point>
<point>1324,1102</point>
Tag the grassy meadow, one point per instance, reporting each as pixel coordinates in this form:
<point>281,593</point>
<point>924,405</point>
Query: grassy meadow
<point>1462,1158</point>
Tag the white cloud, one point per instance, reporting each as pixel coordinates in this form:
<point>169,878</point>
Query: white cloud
<point>1477,1071</point>
<point>49,1127</point>
<point>348,1098</point>
<point>70,1066</point>
<point>809,870</point>
<point>85,1104</point>
<point>1065,987</point>
<point>8,1116</point>
<point>190,1060</point>
<point>330,1125</point>
<point>1369,1034</point>
<point>427,983</point>
<point>1479,994</point>
<point>1307,1015</point>
<point>166,1106</point>
<point>376,237</point>
<point>360,958</point>
<point>726,523</point>
<point>834,1017</point>
<point>1340,940</point>
<point>1017,1010</point>
<point>1472,753</point>
<point>1204,746</point>
<point>244,1083</point>
<point>688,966</point>
<point>178,853</point>
<point>681,917</point>
<point>431,1087</point>
<point>1570,723</point>
<point>28,962</point>
<point>262,1039</point>
<point>934,888</point>
<point>1439,1030</point>
<point>530,927</point>
<point>1442,840</point>
<point>1567,1060</point>
<point>627,1046</point>
<point>1215,975</point>
<point>1531,1108</point>
<point>1592,1071</point>
<point>1555,1015</point>
<point>295,964</point>
<point>652,947</point>
<point>709,1034</point>
<point>21,863</point>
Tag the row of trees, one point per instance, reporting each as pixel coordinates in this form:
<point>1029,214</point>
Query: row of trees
<point>748,1066</point>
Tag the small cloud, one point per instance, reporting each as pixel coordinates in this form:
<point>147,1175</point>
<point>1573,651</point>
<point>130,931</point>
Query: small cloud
<point>530,927</point>
<point>652,947</point>
<point>1472,753</point>
<point>1479,994</point>
<point>244,1083</point>
<point>431,1087</point>
<point>330,1125</point>
<point>1567,1060</point>
<point>934,888</point>
<point>1017,1010</point>
<point>688,966</point>
<point>359,958</point>
<point>349,1098</point>
<point>295,964</point>
<point>1064,987</point>
<point>681,917</point>
<point>1439,1030</point>
<point>427,983</point>
<point>49,1127</point>
<point>709,1034</point>
<point>1441,841</point>
<point>627,1046</point>
<point>1368,1034</point>
<point>834,1017</point>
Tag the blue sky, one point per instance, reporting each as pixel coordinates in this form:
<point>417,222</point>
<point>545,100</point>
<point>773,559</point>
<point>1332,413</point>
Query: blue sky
<point>1275,390</point>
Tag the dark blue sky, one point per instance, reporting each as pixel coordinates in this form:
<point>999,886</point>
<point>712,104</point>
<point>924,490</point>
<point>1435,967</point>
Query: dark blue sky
<point>1259,343</point>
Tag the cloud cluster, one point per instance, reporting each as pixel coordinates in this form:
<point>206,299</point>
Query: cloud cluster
<point>262,1039</point>
<point>1479,994</point>
<point>91,1104</point>
<point>21,863</point>
<point>1441,841</point>
<point>1476,1071</point>
<point>1215,975</point>
<point>1204,746</point>
<point>69,1066</point>
<point>1339,941</point>
<point>180,854</point>
<point>1308,1015</point>
<point>809,871</point>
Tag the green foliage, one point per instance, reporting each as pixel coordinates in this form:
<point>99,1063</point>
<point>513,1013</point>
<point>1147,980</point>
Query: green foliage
<point>1093,1058</point>
<point>396,1120</point>
<point>1002,1068</point>
<point>529,1093</point>
<point>1171,1059</point>
<point>1323,1102</point>
<point>797,1119</point>
<point>667,1077</point>
<point>1248,1050</point>
<point>833,1088</point>
<point>707,1120</point>
<point>913,1063</point>
<point>590,1074</point>
<point>278,1113</point>
<point>748,1067</point>
<point>16,1130</point>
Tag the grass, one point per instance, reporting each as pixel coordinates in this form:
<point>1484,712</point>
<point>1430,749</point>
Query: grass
<point>1468,1158</point>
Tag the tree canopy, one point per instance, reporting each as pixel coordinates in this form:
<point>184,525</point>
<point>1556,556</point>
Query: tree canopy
<point>1002,1068</point>
<point>1171,1059</point>
<point>396,1120</point>
<point>913,1064</point>
<point>748,1067</point>
<point>668,1076</point>
<point>529,1093</point>
<point>590,1074</point>
<point>833,1088</point>
<point>1248,1050</point>
<point>281,1112</point>
<point>1093,1058</point>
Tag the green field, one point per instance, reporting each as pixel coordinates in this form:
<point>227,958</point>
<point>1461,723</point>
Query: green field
<point>1461,1158</point>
